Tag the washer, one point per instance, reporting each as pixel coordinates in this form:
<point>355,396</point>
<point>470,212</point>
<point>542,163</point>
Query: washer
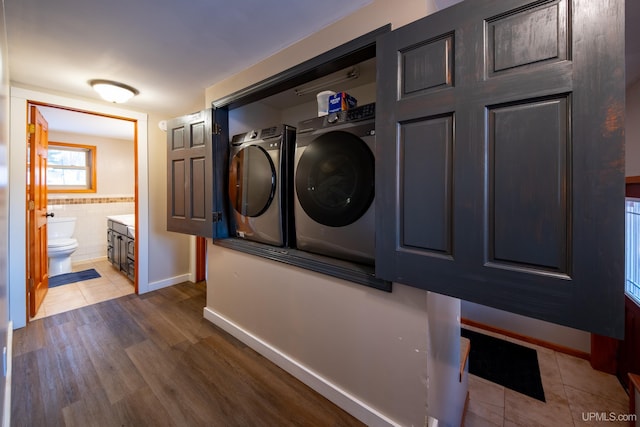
<point>334,185</point>
<point>258,183</point>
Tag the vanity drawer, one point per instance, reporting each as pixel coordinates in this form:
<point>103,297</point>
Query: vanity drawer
<point>118,227</point>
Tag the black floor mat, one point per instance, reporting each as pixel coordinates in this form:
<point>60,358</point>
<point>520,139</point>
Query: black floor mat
<point>64,279</point>
<point>505,363</point>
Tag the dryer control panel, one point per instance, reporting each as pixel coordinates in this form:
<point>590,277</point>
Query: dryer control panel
<point>367,111</point>
<point>364,112</point>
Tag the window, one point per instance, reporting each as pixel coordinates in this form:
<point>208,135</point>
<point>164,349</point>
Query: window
<point>71,168</point>
<point>632,250</point>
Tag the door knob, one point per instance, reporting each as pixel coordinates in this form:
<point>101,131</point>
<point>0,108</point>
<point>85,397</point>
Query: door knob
<point>51,214</point>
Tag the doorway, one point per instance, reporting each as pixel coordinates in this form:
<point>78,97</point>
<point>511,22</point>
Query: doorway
<point>105,148</point>
<point>17,242</point>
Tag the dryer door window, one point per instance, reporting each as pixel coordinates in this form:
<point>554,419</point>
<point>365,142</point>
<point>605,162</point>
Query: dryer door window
<point>252,181</point>
<point>335,179</point>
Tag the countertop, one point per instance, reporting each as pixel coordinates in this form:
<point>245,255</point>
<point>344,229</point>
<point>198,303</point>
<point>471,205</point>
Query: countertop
<point>129,220</point>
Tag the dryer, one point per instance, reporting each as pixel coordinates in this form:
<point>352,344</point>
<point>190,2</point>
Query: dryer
<point>258,183</point>
<point>334,185</point>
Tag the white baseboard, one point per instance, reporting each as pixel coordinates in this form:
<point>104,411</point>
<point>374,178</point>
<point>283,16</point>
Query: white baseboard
<point>6,413</point>
<point>326,388</point>
<point>154,286</point>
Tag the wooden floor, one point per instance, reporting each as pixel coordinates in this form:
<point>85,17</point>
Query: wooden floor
<point>152,360</point>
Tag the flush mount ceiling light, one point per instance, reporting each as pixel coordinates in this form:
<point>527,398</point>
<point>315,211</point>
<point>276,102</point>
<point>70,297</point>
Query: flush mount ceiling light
<point>113,91</point>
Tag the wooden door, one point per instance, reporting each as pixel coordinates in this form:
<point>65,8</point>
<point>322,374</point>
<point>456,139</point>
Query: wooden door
<point>37,261</point>
<point>500,158</point>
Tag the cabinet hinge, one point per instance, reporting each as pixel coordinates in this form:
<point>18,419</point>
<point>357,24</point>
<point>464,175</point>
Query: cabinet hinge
<point>31,128</point>
<point>217,217</point>
<point>217,129</point>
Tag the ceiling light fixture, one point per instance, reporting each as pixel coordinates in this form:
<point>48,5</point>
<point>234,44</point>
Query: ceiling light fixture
<point>113,91</point>
<point>352,74</point>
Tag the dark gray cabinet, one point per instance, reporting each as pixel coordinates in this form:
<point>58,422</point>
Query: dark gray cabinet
<point>197,153</point>
<point>189,155</point>
<point>501,158</point>
<point>121,248</point>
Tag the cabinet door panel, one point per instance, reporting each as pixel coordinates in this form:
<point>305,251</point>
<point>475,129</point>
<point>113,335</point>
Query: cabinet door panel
<point>178,189</point>
<point>426,147</point>
<point>190,174</point>
<point>199,188</point>
<point>500,161</point>
<point>528,146</point>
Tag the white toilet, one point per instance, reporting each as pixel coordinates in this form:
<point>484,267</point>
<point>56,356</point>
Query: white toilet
<point>60,244</point>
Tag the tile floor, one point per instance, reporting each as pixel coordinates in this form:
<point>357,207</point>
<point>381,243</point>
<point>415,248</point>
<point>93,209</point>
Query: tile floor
<point>111,284</point>
<point>576,395</point>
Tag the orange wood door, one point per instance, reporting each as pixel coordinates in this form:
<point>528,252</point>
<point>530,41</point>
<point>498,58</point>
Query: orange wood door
<point>37,267</point>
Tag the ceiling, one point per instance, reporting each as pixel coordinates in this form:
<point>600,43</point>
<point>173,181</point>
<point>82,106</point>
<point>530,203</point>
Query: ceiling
<point>172,50</point>
<point>169,50</point>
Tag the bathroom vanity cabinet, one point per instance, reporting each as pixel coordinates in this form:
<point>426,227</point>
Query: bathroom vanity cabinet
<point>121,243</point>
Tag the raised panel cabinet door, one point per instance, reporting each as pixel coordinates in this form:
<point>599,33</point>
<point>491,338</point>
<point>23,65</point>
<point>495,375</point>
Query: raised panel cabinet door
<point>500,158</point>
<point>190,174</point>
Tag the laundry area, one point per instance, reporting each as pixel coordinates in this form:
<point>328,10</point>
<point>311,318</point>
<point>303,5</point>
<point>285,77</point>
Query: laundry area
<point>303,171</point>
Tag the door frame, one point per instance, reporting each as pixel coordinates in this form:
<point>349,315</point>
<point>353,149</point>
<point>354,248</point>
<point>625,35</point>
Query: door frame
<point>201,259</point>
<point>17,176</point>
<point>30,105</point>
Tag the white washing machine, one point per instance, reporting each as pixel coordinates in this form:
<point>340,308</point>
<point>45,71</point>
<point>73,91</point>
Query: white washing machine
<point>334,185</point>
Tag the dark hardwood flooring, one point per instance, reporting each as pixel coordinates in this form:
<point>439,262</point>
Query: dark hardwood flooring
<point>153,360</point>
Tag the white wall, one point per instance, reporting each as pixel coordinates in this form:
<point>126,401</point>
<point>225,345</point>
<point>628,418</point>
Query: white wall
<point>5,324</point>
<point>367,350</point>
<point>632,130</point>
<point>387,358</point>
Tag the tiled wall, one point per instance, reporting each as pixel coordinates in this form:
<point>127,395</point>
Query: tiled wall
<point>91,221</point>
